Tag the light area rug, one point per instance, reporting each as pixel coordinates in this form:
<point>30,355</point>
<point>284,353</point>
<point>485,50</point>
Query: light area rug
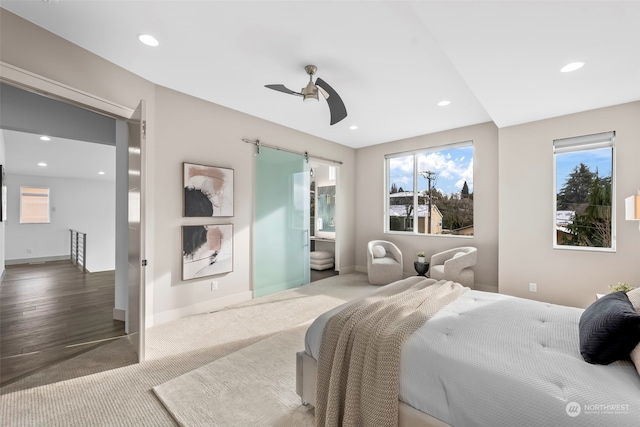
<point>259,382</point>
<point>124,396</point>
<point>261,316</point>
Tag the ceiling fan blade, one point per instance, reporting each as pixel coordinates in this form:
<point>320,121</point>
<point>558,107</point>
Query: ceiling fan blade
<point>282,88</point>
<point>336,106</point>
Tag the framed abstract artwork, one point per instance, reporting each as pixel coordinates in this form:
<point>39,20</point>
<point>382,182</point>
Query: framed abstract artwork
<point>208,191</point>
<point>207,250</point>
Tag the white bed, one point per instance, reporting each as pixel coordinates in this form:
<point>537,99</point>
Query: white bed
<point>493,360</point>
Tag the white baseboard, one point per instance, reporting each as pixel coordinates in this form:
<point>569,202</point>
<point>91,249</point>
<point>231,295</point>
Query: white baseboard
<point>202,307</point>
<point>361,268</point>
<point>347,270</point>
<point>36,260</point>
<point>119,314</point>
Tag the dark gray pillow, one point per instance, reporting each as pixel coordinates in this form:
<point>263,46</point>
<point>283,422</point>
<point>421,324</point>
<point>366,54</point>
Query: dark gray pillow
<point>609,329</point>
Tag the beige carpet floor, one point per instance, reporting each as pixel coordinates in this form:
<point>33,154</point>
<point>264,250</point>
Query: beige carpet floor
<point>259,382</point>
<point>124,396</point>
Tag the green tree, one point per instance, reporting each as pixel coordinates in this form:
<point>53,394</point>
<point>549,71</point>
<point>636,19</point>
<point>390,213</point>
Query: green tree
<point>457,212</point>
<point>574,195</point>
<point>394,188</point>
<point>465,191</point>
<point>592,227</point>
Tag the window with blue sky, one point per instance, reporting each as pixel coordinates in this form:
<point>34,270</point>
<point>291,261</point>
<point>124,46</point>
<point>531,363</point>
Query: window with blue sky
<point>584,182</point>
<point>430,191</point>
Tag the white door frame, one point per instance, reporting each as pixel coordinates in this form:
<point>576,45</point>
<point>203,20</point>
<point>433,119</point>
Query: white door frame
<point>50,88</point>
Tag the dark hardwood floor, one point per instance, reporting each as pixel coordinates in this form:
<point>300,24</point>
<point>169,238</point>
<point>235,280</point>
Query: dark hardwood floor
<point>51,312</point>
<point>322,274</point>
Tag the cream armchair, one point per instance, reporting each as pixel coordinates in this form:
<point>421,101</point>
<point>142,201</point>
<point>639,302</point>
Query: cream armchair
<point>384,262</point>
<point>455,265</point>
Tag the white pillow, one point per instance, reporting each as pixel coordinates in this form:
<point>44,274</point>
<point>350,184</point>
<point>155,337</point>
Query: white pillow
<point>634,297</point>
<point>378,251</point>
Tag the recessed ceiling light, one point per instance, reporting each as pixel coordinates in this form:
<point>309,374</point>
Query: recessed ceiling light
<point>45,138</point>
<point>353,127</point>
<point>43,164</point>
<point>444,102</point>
<point>148,39</point>
<point>100,173</point>
<point>571,67</point>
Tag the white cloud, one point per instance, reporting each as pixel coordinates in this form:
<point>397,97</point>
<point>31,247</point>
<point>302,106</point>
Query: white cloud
<point>448,168</point>
<point>451,172</point>
<point>404,164</point>
<point>466,175</point>
<point>402,179</point>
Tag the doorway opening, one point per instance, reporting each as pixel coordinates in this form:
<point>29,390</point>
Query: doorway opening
<point>26,112</point>
<point>323,220</point>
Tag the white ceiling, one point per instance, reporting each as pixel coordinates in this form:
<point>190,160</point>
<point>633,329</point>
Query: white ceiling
<point>390,61</point>
<point>65,158</point>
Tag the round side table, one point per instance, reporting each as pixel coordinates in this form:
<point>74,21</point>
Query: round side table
<point>421,268</point>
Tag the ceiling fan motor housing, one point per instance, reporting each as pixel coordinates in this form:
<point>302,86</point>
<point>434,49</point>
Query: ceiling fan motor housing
<point>309,93</point>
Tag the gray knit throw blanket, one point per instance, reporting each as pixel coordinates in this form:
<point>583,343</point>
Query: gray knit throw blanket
<point>359,362</point>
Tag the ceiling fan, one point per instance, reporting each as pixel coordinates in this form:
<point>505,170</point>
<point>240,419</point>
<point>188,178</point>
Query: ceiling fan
<point>310,92</point>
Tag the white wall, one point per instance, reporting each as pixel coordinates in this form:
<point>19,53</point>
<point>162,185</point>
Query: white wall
<point>86,206</point>
<point>370,194</point>
<point>526,210</point>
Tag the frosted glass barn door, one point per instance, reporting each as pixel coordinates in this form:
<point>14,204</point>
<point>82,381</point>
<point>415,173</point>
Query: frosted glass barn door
<point>281,227</point>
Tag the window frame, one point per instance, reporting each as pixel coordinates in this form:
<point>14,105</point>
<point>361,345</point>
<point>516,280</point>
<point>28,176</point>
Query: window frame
<point>386,189</point>
<point>572,145</point>
<point>48,202</point>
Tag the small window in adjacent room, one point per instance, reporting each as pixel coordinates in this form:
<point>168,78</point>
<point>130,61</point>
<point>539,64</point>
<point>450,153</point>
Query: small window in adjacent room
<point>430,191</point>
<point>34,205</point>
<point>584,187</point>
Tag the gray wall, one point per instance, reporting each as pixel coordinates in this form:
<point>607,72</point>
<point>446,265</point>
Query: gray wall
<point>122,220</point>
<point>21,111</point>
<point>179,128</point>
<point>182,128</point>
<point>192,130</point>
<point>527,191</point>
<point>34,49</point>
<point>370,194</point>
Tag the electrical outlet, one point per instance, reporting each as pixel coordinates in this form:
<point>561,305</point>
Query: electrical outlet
<point>29,250</point>
<point>533,287</point>
<point>214,285</point>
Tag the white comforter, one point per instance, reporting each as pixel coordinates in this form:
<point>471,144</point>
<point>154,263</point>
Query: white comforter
<point>494,360</point>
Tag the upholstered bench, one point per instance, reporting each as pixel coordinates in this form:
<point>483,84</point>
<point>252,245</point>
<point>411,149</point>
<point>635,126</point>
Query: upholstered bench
<point>321,260</point>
